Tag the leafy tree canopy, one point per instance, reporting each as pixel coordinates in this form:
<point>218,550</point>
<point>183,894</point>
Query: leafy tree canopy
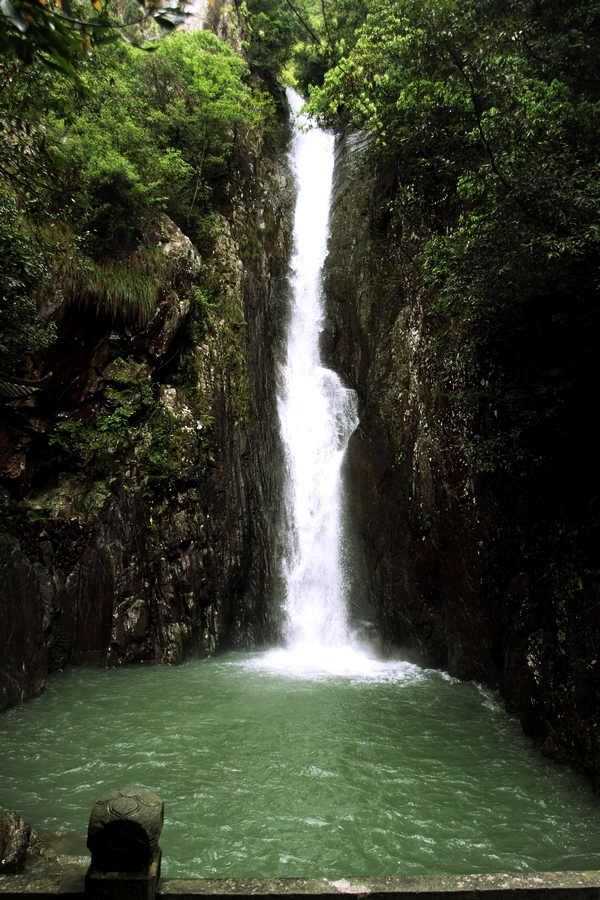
<point>58,33</point>
<point>486,118</point>
<point>87,167</point>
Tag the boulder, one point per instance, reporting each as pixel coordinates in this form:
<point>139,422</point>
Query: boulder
<point>14,842</point>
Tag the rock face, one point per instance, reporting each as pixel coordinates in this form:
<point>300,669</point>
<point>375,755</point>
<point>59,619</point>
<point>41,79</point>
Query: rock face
<point>14,842</point>
<point>481,575</point>
<point>140,503</point>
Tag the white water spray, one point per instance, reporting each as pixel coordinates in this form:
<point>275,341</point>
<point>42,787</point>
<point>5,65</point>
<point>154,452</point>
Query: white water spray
<point>317,415</point>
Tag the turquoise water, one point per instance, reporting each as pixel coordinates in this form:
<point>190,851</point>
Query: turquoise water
<point>400,771</point>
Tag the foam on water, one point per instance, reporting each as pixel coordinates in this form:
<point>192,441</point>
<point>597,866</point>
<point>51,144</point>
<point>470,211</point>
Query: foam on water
<point>269,776</point>
<point>314,662</point>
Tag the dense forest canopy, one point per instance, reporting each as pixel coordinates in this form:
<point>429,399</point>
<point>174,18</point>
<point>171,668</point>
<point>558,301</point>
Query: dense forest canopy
<point>58,34</point>
<point>88,164</point>
<point>484,117</point>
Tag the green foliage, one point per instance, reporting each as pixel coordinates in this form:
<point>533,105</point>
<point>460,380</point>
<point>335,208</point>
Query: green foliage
<point>26,95</point>
<point>75,437</point>
<point>168,443</point>
<point>299,40</point>
<point>218,310</point>
<point>333,28</point>
<point>215,351</point>
<point>130,398</point>
<point>114,194</point>
<point>22,273</point>
<point>486,119</point>
<point>60,34</point>
<point>135,419</point>
<point>199,109</point>
<point>157,133</point>
<point>117,291</point>
<point>272,30</point>
<point>88,168</point>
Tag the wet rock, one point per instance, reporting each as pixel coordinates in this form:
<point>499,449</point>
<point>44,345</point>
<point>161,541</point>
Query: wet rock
<point>162,541</point>
<point>23,651</point>
<point>14,843</point>
<point>477,574</point>
<point>174,305</point>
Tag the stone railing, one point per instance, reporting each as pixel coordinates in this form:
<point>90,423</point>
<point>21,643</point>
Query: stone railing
<point>124,834</point>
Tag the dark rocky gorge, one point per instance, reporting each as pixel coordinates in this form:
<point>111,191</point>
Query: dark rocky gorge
<point>158,541</point>
<point>169,549</point>
<point>489,576</point>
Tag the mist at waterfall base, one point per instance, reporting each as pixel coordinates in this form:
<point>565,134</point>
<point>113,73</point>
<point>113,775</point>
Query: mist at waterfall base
<point>311,760</point>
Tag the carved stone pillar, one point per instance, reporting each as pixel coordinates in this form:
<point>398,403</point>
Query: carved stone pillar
<point>123,835</point>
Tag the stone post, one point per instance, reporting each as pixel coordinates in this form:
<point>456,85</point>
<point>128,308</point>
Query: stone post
<point>123,835</point>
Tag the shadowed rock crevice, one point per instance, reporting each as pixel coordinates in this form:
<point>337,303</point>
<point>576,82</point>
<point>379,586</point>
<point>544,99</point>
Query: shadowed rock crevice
<point>486,574</point>
<point>140,497</point>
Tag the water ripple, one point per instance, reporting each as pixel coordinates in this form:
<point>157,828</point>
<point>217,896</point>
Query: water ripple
<point>328,775</point>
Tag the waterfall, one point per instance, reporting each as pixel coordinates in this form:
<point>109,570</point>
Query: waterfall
<point>317,415</point>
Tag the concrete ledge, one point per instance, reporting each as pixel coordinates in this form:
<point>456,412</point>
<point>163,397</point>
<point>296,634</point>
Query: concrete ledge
<point>42,888</point>
<point>533,886</point>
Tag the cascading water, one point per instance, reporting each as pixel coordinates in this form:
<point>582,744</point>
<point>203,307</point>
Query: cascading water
<point>313,765</point>
<point>317,416</point>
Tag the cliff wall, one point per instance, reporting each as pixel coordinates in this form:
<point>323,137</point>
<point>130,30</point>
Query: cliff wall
<point>487,575</point>
<point>140,498</point>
